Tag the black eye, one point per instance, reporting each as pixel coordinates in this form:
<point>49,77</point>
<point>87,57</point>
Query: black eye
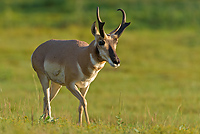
<point>101,42</point>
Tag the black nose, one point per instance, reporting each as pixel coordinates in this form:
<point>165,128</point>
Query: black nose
<point>116,60</point>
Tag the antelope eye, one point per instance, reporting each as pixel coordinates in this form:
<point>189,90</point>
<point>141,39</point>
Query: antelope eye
<point>101,42</point>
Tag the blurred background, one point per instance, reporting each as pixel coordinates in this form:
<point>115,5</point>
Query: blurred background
<point>145,14</point>
<point>160,59</point>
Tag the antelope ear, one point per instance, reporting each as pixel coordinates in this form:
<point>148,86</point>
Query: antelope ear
<point>94,29</point>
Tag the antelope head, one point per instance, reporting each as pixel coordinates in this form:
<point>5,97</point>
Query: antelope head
<point>106,43</point>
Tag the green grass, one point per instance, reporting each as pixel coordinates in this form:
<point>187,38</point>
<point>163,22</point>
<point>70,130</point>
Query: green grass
<point>155,90</point>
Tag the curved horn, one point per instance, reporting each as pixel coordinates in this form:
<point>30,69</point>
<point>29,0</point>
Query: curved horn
<point>123,24</point>
<point>123,15</point>
<point>101,24</point>
<point>115,30</point>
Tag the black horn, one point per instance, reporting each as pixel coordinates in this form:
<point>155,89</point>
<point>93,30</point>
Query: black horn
<point>124,24</point>
<point>101,24</point>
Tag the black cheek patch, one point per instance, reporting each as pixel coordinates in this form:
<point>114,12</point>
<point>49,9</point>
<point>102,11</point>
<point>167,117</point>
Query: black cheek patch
<point>113,56</point>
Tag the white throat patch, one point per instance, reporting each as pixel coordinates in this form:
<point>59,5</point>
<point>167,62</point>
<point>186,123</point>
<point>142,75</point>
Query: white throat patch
<point>95,63</point>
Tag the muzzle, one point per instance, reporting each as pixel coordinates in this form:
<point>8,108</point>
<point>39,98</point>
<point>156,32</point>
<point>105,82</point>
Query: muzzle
<point>113,56</point>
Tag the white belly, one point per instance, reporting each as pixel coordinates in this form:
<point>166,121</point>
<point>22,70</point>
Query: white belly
<point>55,72</point>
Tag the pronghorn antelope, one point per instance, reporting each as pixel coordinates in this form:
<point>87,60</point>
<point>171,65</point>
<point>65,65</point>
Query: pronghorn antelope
<point>75,64</point>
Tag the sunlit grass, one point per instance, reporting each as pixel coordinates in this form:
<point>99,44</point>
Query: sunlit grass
<point>154,90</point>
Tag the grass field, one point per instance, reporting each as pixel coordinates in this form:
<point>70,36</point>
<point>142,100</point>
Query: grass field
<point>155,90</point>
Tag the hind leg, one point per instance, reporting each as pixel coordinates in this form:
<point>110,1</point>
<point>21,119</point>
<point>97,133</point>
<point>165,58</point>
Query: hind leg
<point>55,88</point>
<point>46,90</point>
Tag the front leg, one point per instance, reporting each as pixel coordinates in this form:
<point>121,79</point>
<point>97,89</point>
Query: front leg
<point>80,108</point>
<point>74,90</point>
